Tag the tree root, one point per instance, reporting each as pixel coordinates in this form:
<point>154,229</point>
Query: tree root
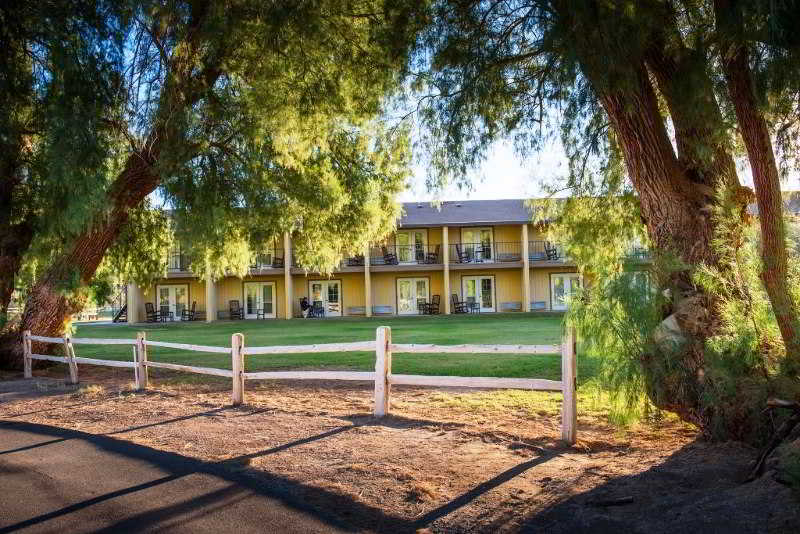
<point>777,438</point>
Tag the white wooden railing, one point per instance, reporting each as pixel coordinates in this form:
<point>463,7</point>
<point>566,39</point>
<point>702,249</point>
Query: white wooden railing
<point>382,377</point>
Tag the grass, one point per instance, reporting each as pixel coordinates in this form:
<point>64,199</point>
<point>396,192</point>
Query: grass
<point>526,329</point>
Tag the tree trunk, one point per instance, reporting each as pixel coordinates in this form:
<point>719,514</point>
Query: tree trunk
<point>754,131</point>
<point>48,307</point>
<point>676,194</point>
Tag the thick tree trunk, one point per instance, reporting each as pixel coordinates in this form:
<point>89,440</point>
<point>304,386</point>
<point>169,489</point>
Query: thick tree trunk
<point>48,306</point>
<point>754,131</point>
<point>676,194</point>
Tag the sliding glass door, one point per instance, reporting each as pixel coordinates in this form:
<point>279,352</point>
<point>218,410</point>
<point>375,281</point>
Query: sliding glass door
<point>328,294</point>
<point>479,289</point>
<point>173,297</point>
<point>259,300</point>
<point>410,292</point>
<point>562,287</point>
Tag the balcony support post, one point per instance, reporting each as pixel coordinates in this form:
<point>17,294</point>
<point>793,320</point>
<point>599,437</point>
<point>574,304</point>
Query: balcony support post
<point>526,270</point>
<point>134,302</point>
<point>211,295</point>
<point>367,283</point>
<point>287,275</point>
<point>446,261</point>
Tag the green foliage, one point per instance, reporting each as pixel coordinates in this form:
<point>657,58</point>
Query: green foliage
<point>139,254</point>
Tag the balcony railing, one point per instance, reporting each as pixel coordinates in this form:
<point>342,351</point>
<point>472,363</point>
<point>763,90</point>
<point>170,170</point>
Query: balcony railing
<point>177,262</point>
<point>638,254</point>
<point>405,255</point>
<point>269,259</point>
<point>487,252</point>
<point>545,251</point>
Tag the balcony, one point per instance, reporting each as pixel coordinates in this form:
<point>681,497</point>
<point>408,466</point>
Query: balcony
<point>405,255</point>
<point>545,251</point>
<point>268,260</point>
<point>487,252</point>
<point>638,254</point>
<point>177,262</point>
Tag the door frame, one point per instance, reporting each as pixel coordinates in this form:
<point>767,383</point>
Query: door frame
<point>491,238</point>
<point>411,232</point>
<point>494,290</point>
<point>397,292</point>
<point>341,293</point>
<point>550,285</point>
<point>274,297</point>
<point>175,311</point>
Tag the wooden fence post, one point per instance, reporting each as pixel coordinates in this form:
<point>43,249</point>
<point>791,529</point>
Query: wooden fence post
<point>383,368</point>
<point>569,407</point>
<point>141,362</point>
<point>69,352</point>
<point>237,366</point>
<point>26,354</point>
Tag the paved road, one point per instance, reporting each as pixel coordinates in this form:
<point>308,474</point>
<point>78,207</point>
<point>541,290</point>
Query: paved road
<point>56,480</point>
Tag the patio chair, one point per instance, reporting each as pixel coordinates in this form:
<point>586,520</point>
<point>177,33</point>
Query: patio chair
<point>151,315</point>
<point>433,257</point>
<point>458,305</point>
<point>165,314</point>
<point>433,305</point>
<point>389,258</point>
<point>236,311</point>
<point>277,262</point>
<point>463,257</point>
<point>189,314</point>
<point>422,307</point>
<point>473,306</point>
<point>550,251</point>
<point>419,253</point>
<point>317,309</point>
<point>355,261</point>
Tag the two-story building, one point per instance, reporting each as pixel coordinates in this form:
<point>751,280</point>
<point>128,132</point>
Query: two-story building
<point>482,252</point>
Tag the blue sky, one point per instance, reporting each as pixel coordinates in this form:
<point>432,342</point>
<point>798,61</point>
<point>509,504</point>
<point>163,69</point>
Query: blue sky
<point>505,175</point>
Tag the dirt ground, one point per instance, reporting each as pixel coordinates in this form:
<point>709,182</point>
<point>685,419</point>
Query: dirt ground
<point>444,461</point>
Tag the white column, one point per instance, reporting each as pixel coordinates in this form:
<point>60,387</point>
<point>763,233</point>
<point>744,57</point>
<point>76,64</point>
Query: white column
<point>446,261</point>
<point>526,270</point>
<point>211,296</point>
<point>287,276</point>
<point>134,303</point>
<point>367,284</point>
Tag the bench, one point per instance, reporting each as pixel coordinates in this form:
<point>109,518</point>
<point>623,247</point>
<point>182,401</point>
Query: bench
<point>538,305</point>
<point>510,306</point>
<point>382,310</point>
<point>357,310</point>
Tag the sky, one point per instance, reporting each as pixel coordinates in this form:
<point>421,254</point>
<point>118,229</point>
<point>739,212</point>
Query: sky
<point>505,175</point>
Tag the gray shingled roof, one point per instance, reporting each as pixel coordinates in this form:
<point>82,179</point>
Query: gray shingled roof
<point>465,213</point>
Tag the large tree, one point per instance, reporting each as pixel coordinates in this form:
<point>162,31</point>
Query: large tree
<point>55,61</point>
<point>630,82</point>
<point>249,118</point>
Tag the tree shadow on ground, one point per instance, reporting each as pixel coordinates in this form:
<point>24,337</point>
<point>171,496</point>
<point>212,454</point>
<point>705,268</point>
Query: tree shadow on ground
<point>696,489</point>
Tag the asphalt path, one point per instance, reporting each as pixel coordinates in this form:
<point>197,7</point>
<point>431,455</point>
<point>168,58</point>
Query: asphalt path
<point>60,480</point>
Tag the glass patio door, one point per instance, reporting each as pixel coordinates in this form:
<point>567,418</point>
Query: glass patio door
<point>480,289</point>
<point>259,297</point>
<point>478,243</point>
<point>175,298</point>
<point>563,286</point>
<point>328,294</point>
<point>410,292</point>
<point>411,246</point>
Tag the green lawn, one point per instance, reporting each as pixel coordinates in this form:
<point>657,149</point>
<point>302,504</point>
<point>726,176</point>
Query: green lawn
<point>446,330</point>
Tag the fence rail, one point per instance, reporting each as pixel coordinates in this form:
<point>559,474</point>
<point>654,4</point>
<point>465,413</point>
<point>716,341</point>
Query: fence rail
<point>382,377</point>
